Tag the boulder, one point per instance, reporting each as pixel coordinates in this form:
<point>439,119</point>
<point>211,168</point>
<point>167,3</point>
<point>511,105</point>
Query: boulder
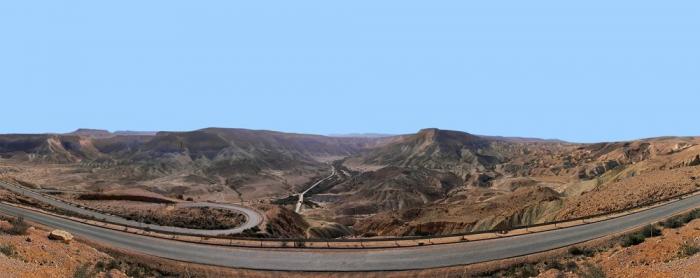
<point>60,235</point>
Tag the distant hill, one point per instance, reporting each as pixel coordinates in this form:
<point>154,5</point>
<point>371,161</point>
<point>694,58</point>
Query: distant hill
<point>94,133</point>
<point>220,151</point>
<point>129,132</point>
<point>362,135</point>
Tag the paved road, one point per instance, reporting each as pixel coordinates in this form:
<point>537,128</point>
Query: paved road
<point>428,256</point>
<point>300,202</point>
<point>253,218</point>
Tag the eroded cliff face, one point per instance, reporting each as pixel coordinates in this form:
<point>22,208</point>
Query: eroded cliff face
<point>527,205</point>
<point>510,182</point>
<point>283,223</point>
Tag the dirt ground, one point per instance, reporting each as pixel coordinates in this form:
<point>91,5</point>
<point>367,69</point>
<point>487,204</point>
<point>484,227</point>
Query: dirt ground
<point>34,255</point>
<point>656,257</point>
<point>660,256</point>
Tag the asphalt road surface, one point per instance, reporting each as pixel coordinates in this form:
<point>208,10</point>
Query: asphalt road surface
<point>429,256</point>
<point>253,218</point>
<point>300,202</point>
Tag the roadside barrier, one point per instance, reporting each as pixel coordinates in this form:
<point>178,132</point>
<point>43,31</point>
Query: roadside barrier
<point>368,243</point>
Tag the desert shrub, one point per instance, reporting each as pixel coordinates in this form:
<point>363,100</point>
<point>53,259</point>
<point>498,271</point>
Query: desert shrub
<point>103,266</point>
<point>113,264</point>
<point>569,265</point>
<point>591,271</point>
<point>575,251</point>
<point>639,236</point>
<point>688,249</point>
<point>521,270</point>
<point>554,264</point>
<point>694,214</point>
<point>139,270</point>
<point>100,266</point>
<point>579,251</point>
<point>650,231</point>
<point>679,221</point>
<point>8,250</point>
<point>674,222</point>
<point>83,271</point>
<point>632,239</point>
<point>19,226</point>
<point>528,270</point>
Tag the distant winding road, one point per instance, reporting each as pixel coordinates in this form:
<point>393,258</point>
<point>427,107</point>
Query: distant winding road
<point>253,218</point>
<point>421,257</point>
<point>300,202</point>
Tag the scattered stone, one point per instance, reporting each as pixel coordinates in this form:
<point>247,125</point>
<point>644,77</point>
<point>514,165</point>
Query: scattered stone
<point>29,239</point>
<point>61,235</point>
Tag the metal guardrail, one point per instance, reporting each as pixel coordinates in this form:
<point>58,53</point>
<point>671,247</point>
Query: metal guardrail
<point>362,243</point>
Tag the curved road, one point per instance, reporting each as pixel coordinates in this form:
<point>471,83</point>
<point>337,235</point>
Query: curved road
<point>429,256</point>
<point>253,218</point>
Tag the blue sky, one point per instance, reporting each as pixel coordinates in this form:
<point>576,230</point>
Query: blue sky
<point>586,71</point>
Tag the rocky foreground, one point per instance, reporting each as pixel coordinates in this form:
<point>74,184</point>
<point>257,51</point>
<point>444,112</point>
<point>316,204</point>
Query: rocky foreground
<point>33,254</point>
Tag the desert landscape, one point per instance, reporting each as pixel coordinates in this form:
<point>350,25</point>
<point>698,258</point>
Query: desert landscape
<point>348,139</point>
<point>433,182</point>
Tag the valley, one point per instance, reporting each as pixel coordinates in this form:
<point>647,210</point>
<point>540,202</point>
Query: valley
<point>433,182</point>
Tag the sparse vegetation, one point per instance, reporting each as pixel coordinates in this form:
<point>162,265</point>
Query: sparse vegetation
<point>579,251</point>
<point>639,236</point>
<point>632,239</point>
<point>8,249</point>
<point>569,265</point>
<point>680,220</point>
<point>688,249</point>
<point>650,231</point>
<point>18,226</point>
<point>673,223</point>
<point>84,271</point>
<point>140,270</point>
<point>518,270</point>
<point>591,271</point>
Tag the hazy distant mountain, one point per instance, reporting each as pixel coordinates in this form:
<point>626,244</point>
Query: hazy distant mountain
<point>362,135</point>
<point>94,133</point>
<point>101,133</point>
<point>130,132</point>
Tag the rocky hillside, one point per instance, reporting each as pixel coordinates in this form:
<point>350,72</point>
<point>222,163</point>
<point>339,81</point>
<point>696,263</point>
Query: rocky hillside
<point>235,163</point>
<point>431,182</point>
<point>441,182</point>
